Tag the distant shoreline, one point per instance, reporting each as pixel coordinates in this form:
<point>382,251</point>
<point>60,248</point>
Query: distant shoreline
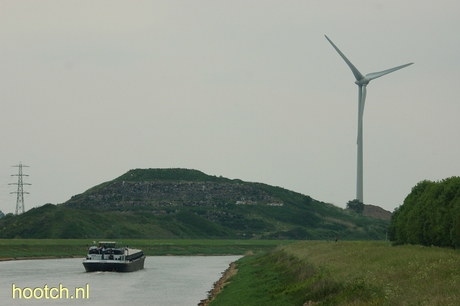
<point>23,249</point>
<point>82,257</point>
<point>37,257</point>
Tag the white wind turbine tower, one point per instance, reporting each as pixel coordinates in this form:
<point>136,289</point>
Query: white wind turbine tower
<point>362,82</point>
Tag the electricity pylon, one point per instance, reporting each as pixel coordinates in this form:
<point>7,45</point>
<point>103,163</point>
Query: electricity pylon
<point>20,193</point>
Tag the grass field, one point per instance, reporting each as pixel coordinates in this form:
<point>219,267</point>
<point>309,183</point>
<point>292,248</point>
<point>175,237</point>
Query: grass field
<point>346,273</point>
<point>32,248</point>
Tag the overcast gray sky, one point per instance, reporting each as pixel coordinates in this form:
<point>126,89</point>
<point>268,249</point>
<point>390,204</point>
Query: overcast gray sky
<point>242,89</point>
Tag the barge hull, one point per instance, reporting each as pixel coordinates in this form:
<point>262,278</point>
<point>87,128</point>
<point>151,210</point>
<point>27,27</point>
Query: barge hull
<point>114,265</point>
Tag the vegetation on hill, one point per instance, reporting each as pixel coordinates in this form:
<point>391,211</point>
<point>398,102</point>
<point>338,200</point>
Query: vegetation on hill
<point>430,215</point>
<point>182,203</point>
<point>345,273</point>
<point>356,206</point>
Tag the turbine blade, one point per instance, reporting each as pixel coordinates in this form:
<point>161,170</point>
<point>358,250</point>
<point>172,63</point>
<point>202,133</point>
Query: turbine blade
<point>360,115</point>
<point>375,75</point>
<point>363,99</point>
<point>358,75</point>
<point>362,92</point>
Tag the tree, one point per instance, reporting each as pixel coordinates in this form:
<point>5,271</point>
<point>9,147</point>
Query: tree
<point>356,206</point>
<point>430,215</point>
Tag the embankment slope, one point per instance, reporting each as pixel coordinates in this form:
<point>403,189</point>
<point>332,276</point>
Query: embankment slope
<point>345,273</point>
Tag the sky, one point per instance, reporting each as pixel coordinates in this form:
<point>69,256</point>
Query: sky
<point>240,89</point>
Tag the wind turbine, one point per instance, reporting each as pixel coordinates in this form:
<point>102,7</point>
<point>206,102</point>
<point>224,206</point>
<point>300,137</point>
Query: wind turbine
<point>362,82</point>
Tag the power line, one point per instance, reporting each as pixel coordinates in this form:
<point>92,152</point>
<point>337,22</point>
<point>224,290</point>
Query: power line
<point>20,193</point>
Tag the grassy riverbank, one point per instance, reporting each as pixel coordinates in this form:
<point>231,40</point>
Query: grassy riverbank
<point>345,273</point>
<point>33,248</point>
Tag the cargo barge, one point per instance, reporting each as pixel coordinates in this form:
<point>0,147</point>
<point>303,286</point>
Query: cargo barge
<point>107,257</point>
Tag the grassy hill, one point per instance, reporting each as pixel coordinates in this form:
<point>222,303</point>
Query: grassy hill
<point>183,203</point>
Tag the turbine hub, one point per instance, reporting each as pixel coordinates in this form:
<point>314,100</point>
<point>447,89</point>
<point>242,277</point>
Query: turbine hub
<point>363,81</point>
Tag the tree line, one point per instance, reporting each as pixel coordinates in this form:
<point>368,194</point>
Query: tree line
<point>430,215</point>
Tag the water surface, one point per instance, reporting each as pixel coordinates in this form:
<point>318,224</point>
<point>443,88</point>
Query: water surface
<point>166,280</point>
